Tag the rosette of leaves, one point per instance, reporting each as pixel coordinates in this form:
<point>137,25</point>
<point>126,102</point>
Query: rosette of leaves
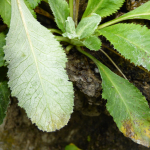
<point>36,62</point>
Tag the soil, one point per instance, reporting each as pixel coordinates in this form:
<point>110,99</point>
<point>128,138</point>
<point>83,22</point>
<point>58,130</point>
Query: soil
<point>90,127</point>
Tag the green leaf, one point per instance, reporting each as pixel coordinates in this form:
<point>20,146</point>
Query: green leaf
<point>70,29</point>
<point>102,7</point>
<point>93,43</point>
<point>126,104</point>
<point>142,12</point>
<point>87,26</point>
<point>5,10</point>
<point>60,10</point>
<point>4,99</point>
<point>132,41</point>
<point>36,71</point>
<point>34,3</point>
<point>2,43</point>
<point>71,147</point>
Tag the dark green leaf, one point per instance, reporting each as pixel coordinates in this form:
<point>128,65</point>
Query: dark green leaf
<point>2,43</point>
<point>132,41</point>
<point>102,7</point>
<point>4,100</point>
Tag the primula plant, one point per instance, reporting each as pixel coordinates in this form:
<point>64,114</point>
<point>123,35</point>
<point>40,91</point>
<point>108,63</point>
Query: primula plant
<point>36,62</point>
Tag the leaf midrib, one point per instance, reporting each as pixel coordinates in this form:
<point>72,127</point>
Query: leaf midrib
<point>114,87</point>
<point>29,40</point>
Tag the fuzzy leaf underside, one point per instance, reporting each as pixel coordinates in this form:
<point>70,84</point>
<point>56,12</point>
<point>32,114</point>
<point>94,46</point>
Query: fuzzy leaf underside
<point>4,99</point>
<point>36,71</point>
<point>132,41</point>
<point>34,3</point>
<point>60,10</point>
<point>126,104</point>
<point>2,43</point>
<point>142,12</point>
<point>70,28</point>
<point>93,43</point>
<point>5,11</point>
<point>87,26</point>
<point>102,7</point>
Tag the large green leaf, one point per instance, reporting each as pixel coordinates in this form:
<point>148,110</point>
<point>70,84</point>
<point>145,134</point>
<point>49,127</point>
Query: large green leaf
<point>5,10</point>
<point>102,7</point>
<point>132,41</point>
<point>4,99</point>
<point>126,104</point>
<point>87,26</point>
<point>60,10</point>
<point>36,71</point>
<point>142,12</point>
<point>2,43</point>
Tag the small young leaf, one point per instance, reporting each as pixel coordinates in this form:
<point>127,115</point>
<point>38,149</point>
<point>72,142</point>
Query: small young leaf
<point>93,43</point>
<point>102,7</point>
<point>2,43</point>
<point>132,41</point>
<point>70,29</point>
<point>60,10</point>
<point>87,26</point>
<point>36,70</point>
<point>4,99</point>
<point>126,104</point>
<point>5,10</point>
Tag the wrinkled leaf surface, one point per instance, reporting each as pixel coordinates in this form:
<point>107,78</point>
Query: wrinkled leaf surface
<point>36,71</point>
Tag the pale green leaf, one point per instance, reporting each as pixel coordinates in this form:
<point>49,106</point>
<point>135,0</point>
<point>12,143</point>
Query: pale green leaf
<point>87,26</point>
<point>102,7</point>
<point>126,104</point>
<point>60,10</point>
<point>93,43</point>
<point>4,99</point>
<point>34,3</point>
<point>2,43</point>
<point>36,71</point>
<point>132,41</point>
<point>5,10</point>
<point>70,29</point>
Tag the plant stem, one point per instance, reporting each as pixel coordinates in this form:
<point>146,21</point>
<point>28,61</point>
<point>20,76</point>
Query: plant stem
<point>77,12</point>
<point>56,31</point>
<point>68,48</point>
<point>62,39</point>
<point>113,63</point>
<point>96,61</point>
<point>71,8</point>
<point>121,18</point>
